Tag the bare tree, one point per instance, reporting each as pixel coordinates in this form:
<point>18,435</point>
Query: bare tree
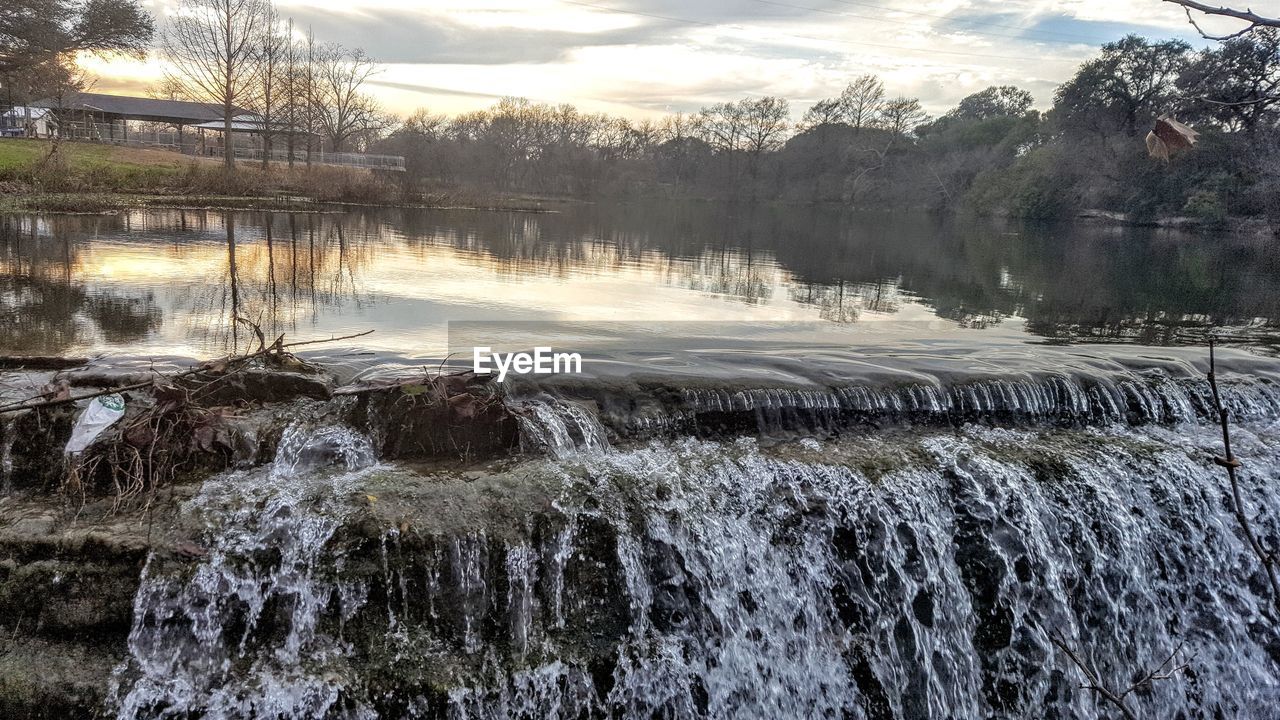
<point>269,92</point>
<point>722,126</point>
<point>862,101</point>
<point>1247,15</point>
<point>212,45</point>
<point>62,86</point>
<point>901,115</point>
<point>823,112</point>
<point>308,77</point>
<point>678,127</point>
<point>765,124</point>
<point>343,109</point>
<point>645,136</point>
<point>291,87</point>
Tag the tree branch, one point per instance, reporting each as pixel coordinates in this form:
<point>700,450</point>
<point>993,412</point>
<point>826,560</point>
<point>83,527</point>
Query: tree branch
<point>276,348</point>
<point>1255,21</point>
<point>1229,462</point>
<point>1093,684</point>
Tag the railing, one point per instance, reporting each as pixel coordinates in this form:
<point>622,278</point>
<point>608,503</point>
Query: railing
<point>320,157</point>
<point>188,143</point>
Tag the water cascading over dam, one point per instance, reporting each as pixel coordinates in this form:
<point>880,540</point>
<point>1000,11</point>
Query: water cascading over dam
<point>911,560</point>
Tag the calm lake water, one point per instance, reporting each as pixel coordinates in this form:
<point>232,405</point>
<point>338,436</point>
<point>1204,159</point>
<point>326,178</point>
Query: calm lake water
<point>170,283</point>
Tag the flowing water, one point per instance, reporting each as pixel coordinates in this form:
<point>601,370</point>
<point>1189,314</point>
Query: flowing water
<point>915,572</point>
<point>907,454</point>
<point>196,636</point>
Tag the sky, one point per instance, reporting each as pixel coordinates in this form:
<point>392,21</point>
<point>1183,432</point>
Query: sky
<point>644,58</point>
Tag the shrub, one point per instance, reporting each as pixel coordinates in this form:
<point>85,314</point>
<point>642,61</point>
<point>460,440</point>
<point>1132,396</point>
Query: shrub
<point>1206,206</point>
<point>1033,187</point>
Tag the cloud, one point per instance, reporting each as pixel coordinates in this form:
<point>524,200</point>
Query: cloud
<point>640,57</point>
<point>431,89</point>
<point>395,35</point>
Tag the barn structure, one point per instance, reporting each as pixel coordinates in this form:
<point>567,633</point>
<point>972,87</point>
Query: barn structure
<point>194,128</point>
<point>107,118</point>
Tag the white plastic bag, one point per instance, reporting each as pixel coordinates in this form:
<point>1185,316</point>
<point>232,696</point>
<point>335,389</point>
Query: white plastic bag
<point>101,413</point>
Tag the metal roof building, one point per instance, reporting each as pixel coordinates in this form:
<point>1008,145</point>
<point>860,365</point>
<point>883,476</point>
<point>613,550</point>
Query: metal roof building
<point>251,123</point>
<point>113,107</point>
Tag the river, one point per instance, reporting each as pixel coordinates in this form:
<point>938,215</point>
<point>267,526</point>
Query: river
<point>818,464</point>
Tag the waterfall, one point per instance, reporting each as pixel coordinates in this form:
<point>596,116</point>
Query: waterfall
<point>1152,397</point>
<point>909,572</point>
<point>252,608</point>
<point>7,438</point>
<point>761,586</point>
<point>558,428</point>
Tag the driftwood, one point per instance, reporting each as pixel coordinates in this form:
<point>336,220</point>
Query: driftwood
<point>276,349</point>
<point>189,425</point>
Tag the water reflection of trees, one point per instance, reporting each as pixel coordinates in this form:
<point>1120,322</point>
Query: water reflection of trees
<point>44,308</point>
<point>280,273</point>
<point>845,301</point>
<point>285,271</point>
<point>1068,281</point>
<point>277,271</point>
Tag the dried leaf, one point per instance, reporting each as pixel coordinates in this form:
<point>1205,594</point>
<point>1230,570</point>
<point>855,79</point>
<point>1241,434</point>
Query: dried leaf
<point>140,435</point>
<point>205,437</point>
<point>463,407</point>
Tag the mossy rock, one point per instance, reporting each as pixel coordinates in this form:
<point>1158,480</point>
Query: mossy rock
<point>59,598</point>
<point>38,438</point>
<point>40,680</point>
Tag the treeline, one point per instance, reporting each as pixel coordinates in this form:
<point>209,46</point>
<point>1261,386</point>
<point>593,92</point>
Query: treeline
<point>243,57</point>
<point>992,152</point>
<point>239,56</point>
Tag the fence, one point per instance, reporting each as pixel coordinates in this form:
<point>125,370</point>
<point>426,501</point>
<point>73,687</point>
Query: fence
<point>188,144</point>
<point>319,157</point>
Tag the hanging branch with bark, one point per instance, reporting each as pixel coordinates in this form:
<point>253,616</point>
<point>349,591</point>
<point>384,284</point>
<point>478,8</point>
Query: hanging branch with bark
<point>1228,461</point>
<point>1247,15</point>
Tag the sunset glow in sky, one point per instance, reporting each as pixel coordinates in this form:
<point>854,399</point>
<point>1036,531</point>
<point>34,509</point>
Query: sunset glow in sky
<point>645,57</point>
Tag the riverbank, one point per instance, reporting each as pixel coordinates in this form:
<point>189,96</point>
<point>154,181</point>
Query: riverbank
<point>93,178</point>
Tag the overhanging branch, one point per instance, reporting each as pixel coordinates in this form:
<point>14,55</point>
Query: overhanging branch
<point>1247,15</point>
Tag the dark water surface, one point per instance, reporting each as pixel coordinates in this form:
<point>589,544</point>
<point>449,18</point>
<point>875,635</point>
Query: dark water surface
<point>157,283</point>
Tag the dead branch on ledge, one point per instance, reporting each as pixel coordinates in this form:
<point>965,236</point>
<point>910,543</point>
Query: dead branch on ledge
<point>1165,671</point>
<point>276,350</point>
<point>1229,461</point>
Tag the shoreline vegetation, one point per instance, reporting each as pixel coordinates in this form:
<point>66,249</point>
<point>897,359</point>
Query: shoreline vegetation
<point>1086,151</point>
<point>94,179</point>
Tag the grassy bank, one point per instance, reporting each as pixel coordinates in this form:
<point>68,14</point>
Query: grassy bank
<point>91,177</point>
